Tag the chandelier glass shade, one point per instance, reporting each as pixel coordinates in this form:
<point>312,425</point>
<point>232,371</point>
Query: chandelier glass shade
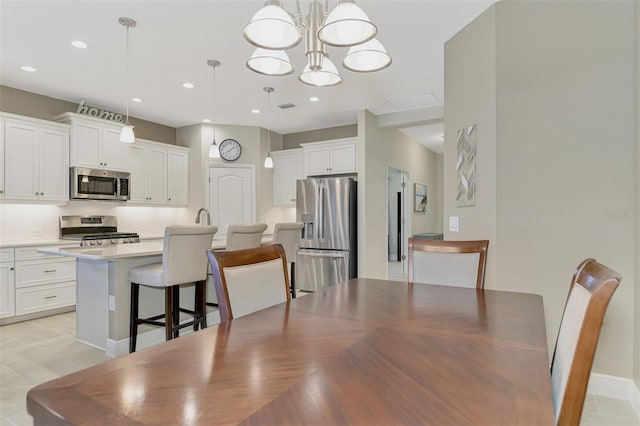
<point>270,62</point>
<point>347,25</point>
<point>327,75</point>
<point>271,30</point>
<point>367,57</point>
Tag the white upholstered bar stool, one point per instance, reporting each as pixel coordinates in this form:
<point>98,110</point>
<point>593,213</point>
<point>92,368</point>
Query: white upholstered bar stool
<point>244,236</point>
<point>184,261</point>
<point>288,234</point>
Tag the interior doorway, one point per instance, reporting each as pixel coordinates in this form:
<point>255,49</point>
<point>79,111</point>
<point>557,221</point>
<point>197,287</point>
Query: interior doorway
<point>397,222</point>
<point>231,195</point>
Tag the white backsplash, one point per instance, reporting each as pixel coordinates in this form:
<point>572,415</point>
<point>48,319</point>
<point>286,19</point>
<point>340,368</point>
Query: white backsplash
<point>35,221</point>
<point>40,221</point>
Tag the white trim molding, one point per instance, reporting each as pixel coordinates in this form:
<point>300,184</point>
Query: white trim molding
<point>615,387</point>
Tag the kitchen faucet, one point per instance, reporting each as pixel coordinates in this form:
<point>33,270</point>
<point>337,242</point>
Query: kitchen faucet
<point>202,209</point>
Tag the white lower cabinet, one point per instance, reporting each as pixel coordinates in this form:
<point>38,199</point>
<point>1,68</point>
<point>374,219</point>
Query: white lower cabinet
<point>7,284</point>
<point>43,282</point>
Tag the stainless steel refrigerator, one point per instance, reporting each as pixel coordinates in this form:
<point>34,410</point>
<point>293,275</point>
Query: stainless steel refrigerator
<point>327,251</point>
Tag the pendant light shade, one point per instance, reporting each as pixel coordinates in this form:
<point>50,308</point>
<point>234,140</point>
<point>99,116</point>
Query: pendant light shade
<point>325,76</point>
<point>347,25</point>
<point>268,162</point>
<point>126,134</point>
<point>270,62</point>
<point>272,28</point>
<point>367,57</point>
<point>214,150</point>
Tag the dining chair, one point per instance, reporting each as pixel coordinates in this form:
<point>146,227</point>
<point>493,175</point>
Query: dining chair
<point>443,262</point>
<point>288,234</point>
<point>184,261</point>
<point>249,280</point>
<point>590,291</point>
<point>244,236</point>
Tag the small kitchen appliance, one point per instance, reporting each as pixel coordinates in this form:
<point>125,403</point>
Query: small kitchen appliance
<point>95,231</point>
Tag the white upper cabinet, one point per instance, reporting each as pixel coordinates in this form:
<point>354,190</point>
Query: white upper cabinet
<point>331,157</point>
<point>36,160</point>
<point>95,143</point>
<point>158,173</point>
<point>177,177</point>
<point>288,167</point>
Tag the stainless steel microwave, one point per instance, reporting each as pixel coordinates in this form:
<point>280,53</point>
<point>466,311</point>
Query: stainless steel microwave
<point>98,184</point>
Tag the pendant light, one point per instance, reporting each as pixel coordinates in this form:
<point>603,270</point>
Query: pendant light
<point>214,150</point>
<point>347,25</point>
<point>126,134</point>
<point>268,162</point>
<point>272,28</point>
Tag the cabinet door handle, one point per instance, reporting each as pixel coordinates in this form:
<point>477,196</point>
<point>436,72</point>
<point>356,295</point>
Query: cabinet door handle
<point>51,270</point>
<point>11,269</point>
<point>50,297</point>
<point>1,191</point>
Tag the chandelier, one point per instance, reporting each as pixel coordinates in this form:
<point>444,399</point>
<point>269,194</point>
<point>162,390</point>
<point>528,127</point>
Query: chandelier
<point>273,30</point>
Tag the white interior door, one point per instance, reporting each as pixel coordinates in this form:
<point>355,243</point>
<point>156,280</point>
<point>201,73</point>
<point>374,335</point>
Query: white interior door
<point>231,195</point>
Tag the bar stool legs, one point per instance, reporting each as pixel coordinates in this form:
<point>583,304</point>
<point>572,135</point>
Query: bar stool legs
<point>293,280</point>
<point>172,311</point>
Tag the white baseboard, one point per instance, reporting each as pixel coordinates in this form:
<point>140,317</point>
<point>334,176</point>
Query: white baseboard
<point>116,348</point>
<point>615,387</point>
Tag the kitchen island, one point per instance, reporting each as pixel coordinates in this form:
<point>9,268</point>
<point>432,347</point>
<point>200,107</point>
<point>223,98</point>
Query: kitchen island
<point>103,293</point>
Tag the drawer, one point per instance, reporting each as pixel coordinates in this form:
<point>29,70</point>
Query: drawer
<point>41,298</point>
<point>27,253</point>
<point>6,255</point>
<point>38,272</point>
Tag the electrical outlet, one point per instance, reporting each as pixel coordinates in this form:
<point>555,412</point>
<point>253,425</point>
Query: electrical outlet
<point>454,223</point>
<point>112,303</point>
<point>37,232</point>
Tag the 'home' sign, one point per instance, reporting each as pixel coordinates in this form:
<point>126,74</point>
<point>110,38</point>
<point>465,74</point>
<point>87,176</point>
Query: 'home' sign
<point>99,113</point>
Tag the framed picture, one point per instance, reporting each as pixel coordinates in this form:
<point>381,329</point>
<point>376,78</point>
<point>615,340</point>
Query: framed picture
<point>420,197</point>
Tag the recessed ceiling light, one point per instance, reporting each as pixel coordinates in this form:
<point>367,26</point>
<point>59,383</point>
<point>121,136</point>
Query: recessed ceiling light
<point>256,111</point>
<point>136,100</point>
<point>314,99</point>
<point>79,44</point>
<point>28,68</point>
<point>206,120</point>
<point>188,85</point>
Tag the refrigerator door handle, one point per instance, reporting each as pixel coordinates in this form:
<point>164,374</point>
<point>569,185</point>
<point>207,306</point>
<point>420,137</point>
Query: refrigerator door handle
<point>302,253</point>
<point>321,218</point>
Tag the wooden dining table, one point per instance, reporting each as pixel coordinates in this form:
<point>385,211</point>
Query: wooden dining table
<point>364,352</point>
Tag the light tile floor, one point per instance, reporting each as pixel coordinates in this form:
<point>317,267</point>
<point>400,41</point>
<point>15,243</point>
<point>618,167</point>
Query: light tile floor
<point>33,352</point>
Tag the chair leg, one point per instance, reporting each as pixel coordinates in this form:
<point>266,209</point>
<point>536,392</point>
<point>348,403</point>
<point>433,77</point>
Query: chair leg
<point>133,317</point>
<point>293,280</point>
<point>168,309</point>
<point>200,308</point>
<point>176,311</point>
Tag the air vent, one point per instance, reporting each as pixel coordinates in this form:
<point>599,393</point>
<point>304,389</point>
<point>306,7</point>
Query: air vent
<point>286,106</point>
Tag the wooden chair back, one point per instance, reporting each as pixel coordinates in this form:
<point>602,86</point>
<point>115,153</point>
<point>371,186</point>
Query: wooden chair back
<point>249,280</point>
<point>454,263</point>
<point>590,291</point>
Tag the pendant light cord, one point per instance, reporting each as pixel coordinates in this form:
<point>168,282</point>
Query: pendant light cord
<point>213,114</point>
<point>128,79</point>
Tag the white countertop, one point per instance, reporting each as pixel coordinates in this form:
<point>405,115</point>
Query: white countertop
<point>122,251</point>
<point>27,242</point>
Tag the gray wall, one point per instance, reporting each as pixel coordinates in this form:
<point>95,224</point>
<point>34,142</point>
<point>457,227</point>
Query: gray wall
<point>293,140</point>
<point>548,84</point>
<point>377,150</point>
<point>637,210</point>
<point>30,104</point>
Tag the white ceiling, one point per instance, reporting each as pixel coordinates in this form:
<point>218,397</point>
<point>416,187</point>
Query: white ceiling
<point>174,39</point>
